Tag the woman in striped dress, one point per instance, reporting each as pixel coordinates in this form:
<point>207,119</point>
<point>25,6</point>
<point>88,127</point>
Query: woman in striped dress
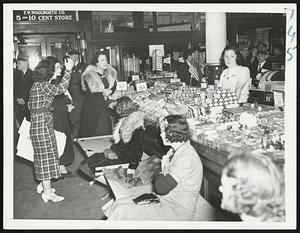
<point>41,131</point>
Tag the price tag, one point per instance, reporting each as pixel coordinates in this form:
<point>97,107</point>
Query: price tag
<point>121,86</point>
<point>278,98</point>
<point>135,77</point>
<point>142,86</point>
<point>174,80</point>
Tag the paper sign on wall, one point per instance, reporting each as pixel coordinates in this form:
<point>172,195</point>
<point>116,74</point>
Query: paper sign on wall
<point>142,86</point>
<point>135,77</point>
<point>278,98</point>
<point>160,47</point>
<point>121,86</point>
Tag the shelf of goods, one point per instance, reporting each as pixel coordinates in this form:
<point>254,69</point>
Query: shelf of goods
<point>219,126</point>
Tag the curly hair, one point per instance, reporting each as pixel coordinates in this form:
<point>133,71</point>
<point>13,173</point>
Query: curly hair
<point>125,106</point>
<point>43,71</point>
<point>236,51</point>
<point>177,128</point>
<point>259,188</point>
<point>95,56</point>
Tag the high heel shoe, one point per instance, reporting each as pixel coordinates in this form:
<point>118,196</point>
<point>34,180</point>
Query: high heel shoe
<point>52,197</point>
<point>40,188</point>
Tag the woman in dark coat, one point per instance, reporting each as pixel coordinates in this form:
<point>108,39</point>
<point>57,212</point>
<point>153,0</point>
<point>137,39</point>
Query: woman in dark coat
<point>41,130</point>
<point>61,105</point>
<point>98,81</point>
<point>128,138</point>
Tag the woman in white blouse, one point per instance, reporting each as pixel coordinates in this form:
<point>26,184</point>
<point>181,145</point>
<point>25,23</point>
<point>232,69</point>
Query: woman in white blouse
<point>235,77</point>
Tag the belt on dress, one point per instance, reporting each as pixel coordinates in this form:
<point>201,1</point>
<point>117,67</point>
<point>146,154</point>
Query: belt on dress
<point>41,110</point>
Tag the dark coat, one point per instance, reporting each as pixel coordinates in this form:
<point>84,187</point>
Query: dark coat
<point>244,62</point>
<point>77,94</point>
<point>253,68</point>
<point>95,117</point>
<point>27,84</point>
<point>22,86</point>
<point>18,84</point>
<point>61,123</point>
<point>128,139</point>
<point>185,76</point>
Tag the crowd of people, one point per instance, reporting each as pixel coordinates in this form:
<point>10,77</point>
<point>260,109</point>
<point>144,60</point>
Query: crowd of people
<point>72,98</point>
<point>243,65</point>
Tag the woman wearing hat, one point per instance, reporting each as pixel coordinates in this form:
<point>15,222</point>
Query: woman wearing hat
<point>98,81</point>
<point>127,136</point>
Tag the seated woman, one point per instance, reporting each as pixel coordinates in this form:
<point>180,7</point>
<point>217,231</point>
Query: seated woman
<point>253,187</point>
<point>178,184</point>
<point>128,138</point>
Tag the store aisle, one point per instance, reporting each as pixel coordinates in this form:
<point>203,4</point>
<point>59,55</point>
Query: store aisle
<point>82,201</point>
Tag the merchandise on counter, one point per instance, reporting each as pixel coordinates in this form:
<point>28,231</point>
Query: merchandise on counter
<point>266,134</point>
<point>217,119</point>
<point>124,176</point>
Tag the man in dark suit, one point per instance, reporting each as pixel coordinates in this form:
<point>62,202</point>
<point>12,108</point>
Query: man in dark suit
<point>18,100</point>
<point>23,86</point>
<point>76,91</point>
<point>260,66</point>
<point>244,59</point>
<point>188,72</point>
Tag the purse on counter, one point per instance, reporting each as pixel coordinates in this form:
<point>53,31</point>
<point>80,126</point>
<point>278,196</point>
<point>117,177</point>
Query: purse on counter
<point>146,198</point>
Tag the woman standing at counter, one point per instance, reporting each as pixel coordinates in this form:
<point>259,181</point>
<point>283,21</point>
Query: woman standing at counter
<point>235,77</point>
<point>98,81</point>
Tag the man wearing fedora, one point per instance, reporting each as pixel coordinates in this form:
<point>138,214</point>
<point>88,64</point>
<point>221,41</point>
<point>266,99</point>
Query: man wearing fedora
<point>24,86</point>
<point>260,66</point>
<point>76,91</point>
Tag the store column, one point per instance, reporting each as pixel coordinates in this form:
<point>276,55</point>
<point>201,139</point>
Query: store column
<point>215,27</point>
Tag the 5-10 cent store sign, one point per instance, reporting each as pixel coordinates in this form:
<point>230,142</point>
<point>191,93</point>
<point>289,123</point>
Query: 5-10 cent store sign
<point>43,16</point>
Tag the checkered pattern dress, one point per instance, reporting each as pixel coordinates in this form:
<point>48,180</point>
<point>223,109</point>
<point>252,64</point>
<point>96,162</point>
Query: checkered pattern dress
<point>41,131</point>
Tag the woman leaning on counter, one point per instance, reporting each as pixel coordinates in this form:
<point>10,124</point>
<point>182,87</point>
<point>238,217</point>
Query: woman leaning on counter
<point>235,77</point>
<point>98,81</point>
<point>178,185</point>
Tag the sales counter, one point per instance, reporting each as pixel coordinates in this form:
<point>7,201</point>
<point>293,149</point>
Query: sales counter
<point>217,133</point>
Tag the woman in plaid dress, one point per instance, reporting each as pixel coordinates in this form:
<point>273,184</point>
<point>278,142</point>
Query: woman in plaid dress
<point>41,131</point>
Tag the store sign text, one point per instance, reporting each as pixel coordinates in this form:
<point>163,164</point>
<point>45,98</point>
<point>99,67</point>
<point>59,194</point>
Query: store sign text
<point>43,16</point>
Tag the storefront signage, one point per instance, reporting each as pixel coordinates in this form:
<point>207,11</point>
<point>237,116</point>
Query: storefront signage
<point>43,16</point>
<point>142,86</point>
<point>121,86</point>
